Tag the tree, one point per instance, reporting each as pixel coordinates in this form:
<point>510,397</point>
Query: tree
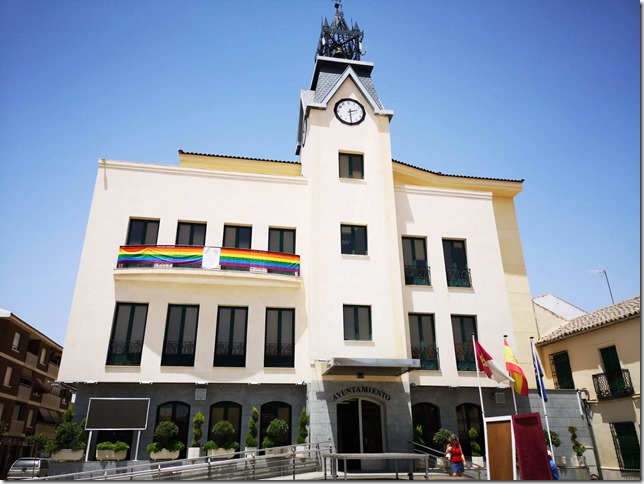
<point>303,433</point>
<point>251,435</point>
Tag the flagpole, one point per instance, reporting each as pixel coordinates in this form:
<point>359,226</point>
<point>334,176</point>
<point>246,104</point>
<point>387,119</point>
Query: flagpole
<point>514,397</point>
<point>535,358</point>
<point>478,376</point>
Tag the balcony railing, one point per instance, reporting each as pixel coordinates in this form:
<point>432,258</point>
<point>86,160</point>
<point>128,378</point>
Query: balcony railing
<point>230,354</point>
<point>465,360</point>
<point>613,385</point>
<point>211,258</point>
<point>417,275</point>
<point>127,353</point>
<point>458,277</point>
<point>279,356</point>
<point>428,357</point>
<point>177,353</point>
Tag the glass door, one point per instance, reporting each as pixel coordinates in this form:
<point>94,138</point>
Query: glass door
<point>359,431</point>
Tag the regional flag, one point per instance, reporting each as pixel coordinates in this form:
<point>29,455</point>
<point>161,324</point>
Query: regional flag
<point>515,371</point>
<point>538,374</point>
<point>487,365</point>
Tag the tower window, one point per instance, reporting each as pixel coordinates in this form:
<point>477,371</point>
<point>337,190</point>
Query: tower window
<point>354,239</point>
<point>351,166</point>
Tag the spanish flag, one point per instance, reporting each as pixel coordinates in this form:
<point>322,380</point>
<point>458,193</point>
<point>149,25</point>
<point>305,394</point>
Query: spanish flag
<point>520,382</point>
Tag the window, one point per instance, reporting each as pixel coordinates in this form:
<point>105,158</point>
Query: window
<point>283,241</point>
<point>351,166</point>
<point>237,237</point>
<point>7,376</point>
<point>30,418</point>
<point>415,261</point>
<point>180,336</point>
<point>179,413</point>
<point>462,329</point>
<point>357,323</point>
<point>19,412</point>
<point>230,345</point>
<point>423,340</point>
<point>142,232</point>
<point>561,373</point>
<point>627,446</point>
<point>191,234</point>
<point>468,416</point>
<point>279,350</point>
<point>354,239</point>
<point>428,416</point>
<point>16,342</point>
<point>230,411</point>
<point>270,411</point>
<point>458,274</point>
<point>128,329</point>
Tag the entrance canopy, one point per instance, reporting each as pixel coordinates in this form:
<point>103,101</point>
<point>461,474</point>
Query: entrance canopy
<point>371,366</point>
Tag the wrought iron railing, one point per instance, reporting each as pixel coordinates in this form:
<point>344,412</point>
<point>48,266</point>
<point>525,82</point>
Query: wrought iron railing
<point>209,258</point>
<point>613,385</point>
<point>458,277</point>
<point>279,355</point>
<point>230,354</point>
<point>177,353</point>
<point>428,357</point>
<point>124,353</point>
<point>465,360</point>
<point>417,275</point>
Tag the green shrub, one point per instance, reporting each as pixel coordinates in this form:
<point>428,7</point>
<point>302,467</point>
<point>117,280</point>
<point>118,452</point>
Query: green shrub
<point>441,437</point>
<point>114,446</point>
<point>68,435</point>
<point>577,447</point>
<point>197,433</point>
<point>165,435</point>
<point>554,436</point>
<point>474,445</point>
<point>39,442</point>
<point>418,435</point>
<point>222,433</point>
<point>210,445</point>
<point>276,430</point>
<point>303,433</point>
<point>251,436</point>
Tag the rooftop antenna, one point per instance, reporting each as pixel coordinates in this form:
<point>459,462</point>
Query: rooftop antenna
<point>603,272</point>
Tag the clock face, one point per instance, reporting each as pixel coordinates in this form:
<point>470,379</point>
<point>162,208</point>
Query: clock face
<point>349,111</point>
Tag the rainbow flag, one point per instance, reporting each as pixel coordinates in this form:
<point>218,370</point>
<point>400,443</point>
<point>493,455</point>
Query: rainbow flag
<point>256,258</point>
<point>158,254</point>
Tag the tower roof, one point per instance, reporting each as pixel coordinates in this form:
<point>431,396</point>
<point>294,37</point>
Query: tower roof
<point>338,39</point>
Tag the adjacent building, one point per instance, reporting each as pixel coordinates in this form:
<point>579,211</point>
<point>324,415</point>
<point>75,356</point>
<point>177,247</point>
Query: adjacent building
<point>598,354</point>
<point>30,399</point>
<point>346,282</point>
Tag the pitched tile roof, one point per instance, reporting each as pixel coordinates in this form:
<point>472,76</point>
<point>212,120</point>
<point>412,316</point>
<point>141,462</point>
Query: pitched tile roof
<point>592,321</point>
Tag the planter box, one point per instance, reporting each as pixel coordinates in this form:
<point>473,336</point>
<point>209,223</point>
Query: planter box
<point>580,461</point>
<point>221,453</point>
<point>68,455</point>
<point>251,451</point>
<point>110,455</point>
<point>194,452</point>
<point>164,454</point>
<point>478,460</point>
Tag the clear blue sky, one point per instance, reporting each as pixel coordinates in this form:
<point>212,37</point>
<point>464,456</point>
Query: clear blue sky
<point>547,91</point>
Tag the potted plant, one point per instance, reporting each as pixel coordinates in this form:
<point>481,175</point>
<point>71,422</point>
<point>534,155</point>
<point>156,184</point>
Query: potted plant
<point>38,441</point>
<point>111,450</point>
<point>69,440</point>
<point>477,458</point>
<point>556,442</point>
<point>418,435</point>
<point>441,438</point>
<point>251,436</point>
<point>577,447</point>
<point>277,430</point>
<point>222,446</point>
<point>165,445</point>
<point>302,434</point>
<point>195,446</point>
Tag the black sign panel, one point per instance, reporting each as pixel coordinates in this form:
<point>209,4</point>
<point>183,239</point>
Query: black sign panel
<point>117,414</point>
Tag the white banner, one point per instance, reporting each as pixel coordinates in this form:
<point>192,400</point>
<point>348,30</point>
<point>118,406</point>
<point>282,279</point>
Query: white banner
<point>210,258</point>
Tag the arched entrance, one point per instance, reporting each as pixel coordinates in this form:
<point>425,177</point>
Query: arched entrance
<point>360,424</point>
<point>179,413</point>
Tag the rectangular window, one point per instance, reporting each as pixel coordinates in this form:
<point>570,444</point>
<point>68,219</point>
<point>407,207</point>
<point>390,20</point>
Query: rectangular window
<point>180,336</point>
<point>237,237</point>
<point>142,232</point>
<point>462,329</point>
<point>191,234</point>
<point>458,274</point>
<point>613,371</point>
<point>7,376</point>
<point>415,261</point>
<point>230,345</point>
<point>354,239</point>
<point>351,166</point>
<point>19,412</point>
<point>128,330</point>
<point>279,350</point>
<point>357,323</point>
<point>561,372</point>
<point>423,340</point>
<point>627,445</point>
<point>282,241</point>
<point>16,342</point>
<point>30,417</point>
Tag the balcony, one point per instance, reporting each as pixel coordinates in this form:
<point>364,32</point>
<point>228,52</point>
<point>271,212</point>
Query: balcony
<point>279,356</point>
<point>50,401</point>
<point>465,360</point>
<point>176,353</point>
<point>417,275</point>
<point>24,392</point>
<point>613,385</point>
<point>124,353</point>
<point>458,277</point>
<point>428,357</point>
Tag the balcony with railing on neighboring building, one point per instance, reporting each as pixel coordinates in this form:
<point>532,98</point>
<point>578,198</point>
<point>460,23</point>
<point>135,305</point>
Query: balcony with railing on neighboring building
<point>613,385</point>
<point>208,259</point>
<point>279,355</point>
<point>417,275</point>
<point>458,277</point>
<point>427,355</point>
<point>465,360</point>
<point>124,353</point>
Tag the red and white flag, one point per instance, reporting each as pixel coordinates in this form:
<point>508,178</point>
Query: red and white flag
<point>488,366</point>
